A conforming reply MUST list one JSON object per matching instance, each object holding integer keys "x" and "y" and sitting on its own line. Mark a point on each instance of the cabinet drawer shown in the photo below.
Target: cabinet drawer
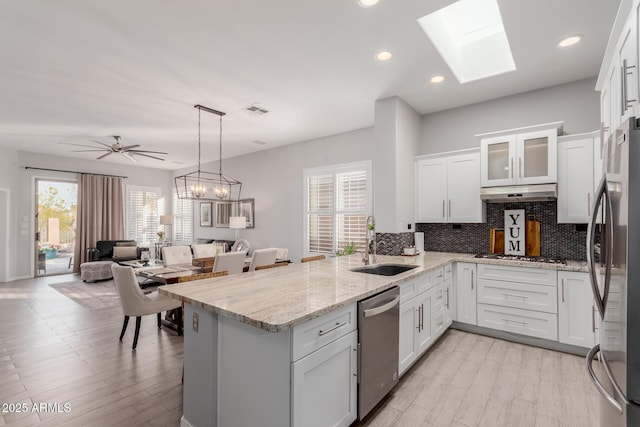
{"x": 438, "y": 275}
{"x": 441, "y": 322}
{"x": 425, "y": 281}
{"x": 536, "y": 276}
{"x": 322, "y": 330}
{"x": 408, "y": 290}
{"x": 518, "y": 295}
{"x": 525, "y": 322}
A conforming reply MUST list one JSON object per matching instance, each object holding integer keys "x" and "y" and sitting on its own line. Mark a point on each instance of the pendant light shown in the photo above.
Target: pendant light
{"x": 206, "y": 186}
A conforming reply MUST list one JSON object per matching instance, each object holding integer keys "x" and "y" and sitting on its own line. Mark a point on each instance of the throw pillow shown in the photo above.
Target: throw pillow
{"x": 125, "y": 252}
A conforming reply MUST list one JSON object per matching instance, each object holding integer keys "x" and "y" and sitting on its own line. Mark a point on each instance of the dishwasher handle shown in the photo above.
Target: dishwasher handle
{"x": 382, "y": 308}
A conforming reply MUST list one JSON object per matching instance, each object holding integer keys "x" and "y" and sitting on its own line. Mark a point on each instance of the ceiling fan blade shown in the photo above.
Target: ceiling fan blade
{"x": 102, "y": 143}
{"x": 105, "y": 155}
{"x": 86, "y": 151}
{"x": 128, "y": 156}
{"x": 78, "y": 145}
{"x": 146, "y": 151}
{"x": 151, "y": 157}
{"x": 129, "y": 147}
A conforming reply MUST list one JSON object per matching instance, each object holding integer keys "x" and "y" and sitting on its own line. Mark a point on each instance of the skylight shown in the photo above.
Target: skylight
{"x": 470, "y": 37}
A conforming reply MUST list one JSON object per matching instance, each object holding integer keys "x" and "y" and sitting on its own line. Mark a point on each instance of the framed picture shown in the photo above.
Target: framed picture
{"x": 223, "y": 212}
{"x": 246, "y": 209}
{"x": 205, "y": 214}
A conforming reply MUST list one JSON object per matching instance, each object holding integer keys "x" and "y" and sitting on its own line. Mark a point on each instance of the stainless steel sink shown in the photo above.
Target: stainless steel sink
{"x": 384, "y": 269}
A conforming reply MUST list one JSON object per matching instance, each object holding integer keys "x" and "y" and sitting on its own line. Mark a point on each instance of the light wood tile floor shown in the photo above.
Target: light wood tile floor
{"x": 472, "y": 380}
{"x": 53, "y": 350}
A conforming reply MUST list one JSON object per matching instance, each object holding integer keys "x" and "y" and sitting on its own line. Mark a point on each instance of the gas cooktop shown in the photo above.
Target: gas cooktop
{"x": 523, "y": 258}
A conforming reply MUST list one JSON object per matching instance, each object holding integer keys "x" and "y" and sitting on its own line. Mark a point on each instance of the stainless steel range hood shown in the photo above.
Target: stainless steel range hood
{"x": 519, "y": 193}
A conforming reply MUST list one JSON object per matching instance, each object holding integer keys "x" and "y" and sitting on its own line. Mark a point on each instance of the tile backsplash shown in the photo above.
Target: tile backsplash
{"x": 393, "y": 243}
{"x": 556, "y": 240}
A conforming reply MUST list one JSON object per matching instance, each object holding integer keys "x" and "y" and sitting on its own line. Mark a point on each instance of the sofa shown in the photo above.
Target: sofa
{"x": 114, "y": 250}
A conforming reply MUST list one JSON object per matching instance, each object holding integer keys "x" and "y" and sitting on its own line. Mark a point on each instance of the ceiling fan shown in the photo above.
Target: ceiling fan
{"x": 127, "y": 151}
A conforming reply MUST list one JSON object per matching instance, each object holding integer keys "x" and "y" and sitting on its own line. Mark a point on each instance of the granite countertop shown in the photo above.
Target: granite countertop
{"x": 278, "y": 299}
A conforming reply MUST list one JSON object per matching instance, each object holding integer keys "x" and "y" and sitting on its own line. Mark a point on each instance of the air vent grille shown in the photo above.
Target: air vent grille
{"x": 256, "y": 109}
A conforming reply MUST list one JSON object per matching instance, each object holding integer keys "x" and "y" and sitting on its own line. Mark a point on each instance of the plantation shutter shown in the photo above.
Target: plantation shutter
{"x": 320, "y": 213}
{"x": 351, "y": 211}
{"x": 182, "y": 219}
{"x": 337, "y": 204}
{"x": 143, "y": 220}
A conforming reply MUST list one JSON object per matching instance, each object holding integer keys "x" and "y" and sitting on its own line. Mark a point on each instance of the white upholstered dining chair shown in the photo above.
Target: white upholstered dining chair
{"x": 172, "y": 255}
{"x": 135, "y": 303}
{"x": 204, "y": 251}
{"x": 263, "y": 257}
{"x": 233, "y": 262}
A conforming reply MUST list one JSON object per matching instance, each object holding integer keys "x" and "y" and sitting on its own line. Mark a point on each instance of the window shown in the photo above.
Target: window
{"x": 337, "y": 202}
{"x": 144, "y": 205}
{"x": 182, "y": 219}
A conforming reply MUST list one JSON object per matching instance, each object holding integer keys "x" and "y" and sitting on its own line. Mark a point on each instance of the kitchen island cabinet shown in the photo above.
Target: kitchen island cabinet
{"x": 272, "y": 347}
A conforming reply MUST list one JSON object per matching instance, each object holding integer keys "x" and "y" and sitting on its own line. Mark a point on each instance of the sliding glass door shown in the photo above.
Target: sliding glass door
{"x": 56, "y": 203}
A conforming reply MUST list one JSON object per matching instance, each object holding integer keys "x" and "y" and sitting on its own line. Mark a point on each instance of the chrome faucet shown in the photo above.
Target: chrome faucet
{"x": 369, "y": 256}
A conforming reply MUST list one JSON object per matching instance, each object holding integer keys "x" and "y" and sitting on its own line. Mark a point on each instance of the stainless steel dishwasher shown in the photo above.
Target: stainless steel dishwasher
{"x": 378, "y": 328}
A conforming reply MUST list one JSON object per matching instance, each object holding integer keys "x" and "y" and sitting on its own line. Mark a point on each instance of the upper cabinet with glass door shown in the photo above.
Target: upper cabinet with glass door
{"x": 520, "y": 156}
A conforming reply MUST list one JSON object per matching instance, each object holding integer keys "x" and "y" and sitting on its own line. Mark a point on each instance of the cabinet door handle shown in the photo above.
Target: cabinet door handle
{"x": 626, "y": 103}
{"x": 511, "y": 169}
{"x": 321, "y": 332}
{"x": 422, "y": 318}
{"x": 442, "y": 208}
{"x": 520, "y": 166}
{"x": 562, "y": 290}
{"x": 449, "y": 208}
{"x": 593, "y": 319}
{"x": 515, "y": 296}
{"x": 471, "y": 279}
{"x": 419, "y": 310}
{"x": 588, "y": 203}
{"x": 515, "y": 321}
{"x": 447, "y": 297}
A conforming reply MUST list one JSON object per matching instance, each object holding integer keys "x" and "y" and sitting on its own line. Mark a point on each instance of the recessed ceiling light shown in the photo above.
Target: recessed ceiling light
{"x": 437, "y": 79}
{"x": 367, "y": 3}
{"x": 383, "y": 56}
{"x": 570, "y": 41}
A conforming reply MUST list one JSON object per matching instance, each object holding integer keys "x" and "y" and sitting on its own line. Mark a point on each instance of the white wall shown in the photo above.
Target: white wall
{"x": 274, "y": 179}
{"x": 8, "y": 181}
{"x": 21, "y": 261}
{"x": 396, "y": 136}
{"x": 576, "y": 103}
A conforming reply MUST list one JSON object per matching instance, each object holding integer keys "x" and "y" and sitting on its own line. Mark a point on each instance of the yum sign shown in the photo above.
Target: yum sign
{"x": 514, "y": 243}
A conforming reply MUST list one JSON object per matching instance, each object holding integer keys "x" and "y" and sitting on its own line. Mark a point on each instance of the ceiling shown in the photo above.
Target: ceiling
{"x": 75, "y": 71}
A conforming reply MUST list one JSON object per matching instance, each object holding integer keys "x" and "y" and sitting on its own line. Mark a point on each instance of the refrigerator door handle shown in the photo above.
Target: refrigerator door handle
{"x": 610, "y": 399}
{"x": 591, "y": 232}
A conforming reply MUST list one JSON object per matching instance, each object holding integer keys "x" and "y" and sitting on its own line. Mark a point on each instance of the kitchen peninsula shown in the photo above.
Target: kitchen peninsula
{"x": 255, "y": 342}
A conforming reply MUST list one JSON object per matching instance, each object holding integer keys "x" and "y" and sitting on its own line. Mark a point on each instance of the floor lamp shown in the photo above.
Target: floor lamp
{"x": 237, "y": 222}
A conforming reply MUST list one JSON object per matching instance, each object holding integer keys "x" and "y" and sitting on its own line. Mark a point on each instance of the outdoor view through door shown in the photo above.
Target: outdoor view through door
{"x": 56, "y": 203}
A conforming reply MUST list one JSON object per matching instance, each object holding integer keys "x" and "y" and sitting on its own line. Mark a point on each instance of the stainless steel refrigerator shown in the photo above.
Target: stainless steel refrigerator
{"x": 614, "y": 267}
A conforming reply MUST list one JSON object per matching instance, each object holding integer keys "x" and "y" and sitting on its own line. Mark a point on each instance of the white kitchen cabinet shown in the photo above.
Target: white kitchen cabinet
{"x": 575, "y": 177}
{"x": 441, "y": 311}
{"x": 447, "y": 188}
{"x": 519, "y": 156}
{"x": 618, "y": 77}
{"x": 324, "y": 385}
{"x": 423, "y": 315}
{"x": 466, "y": 291}
{"x": 627, "y": 57}
{"x": 518, "y": 299}
{"x": 576, "y": 318}
{"x": 431, "y": 190}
